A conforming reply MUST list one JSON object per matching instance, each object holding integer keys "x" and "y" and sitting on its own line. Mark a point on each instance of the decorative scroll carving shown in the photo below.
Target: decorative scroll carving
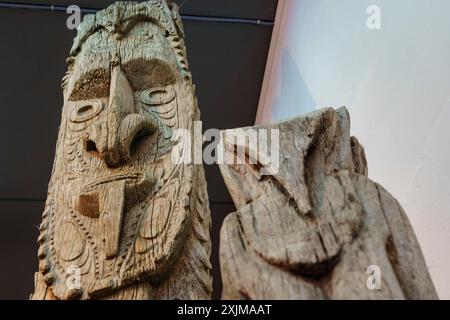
{"x": 313, "y": 229}
{"x": 129, "y": 221}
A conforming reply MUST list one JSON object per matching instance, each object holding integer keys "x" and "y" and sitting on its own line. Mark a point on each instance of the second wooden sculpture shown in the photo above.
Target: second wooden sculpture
{"x": 318, "y": 226}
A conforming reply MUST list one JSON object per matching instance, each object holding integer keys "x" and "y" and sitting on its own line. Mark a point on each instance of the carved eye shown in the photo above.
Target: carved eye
{"x": 158, "y": 96}
{"x": 86, "y": 110}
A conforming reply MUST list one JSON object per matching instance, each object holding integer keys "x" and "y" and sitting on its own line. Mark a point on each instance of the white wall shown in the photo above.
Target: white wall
{"x": 396, "y": 83}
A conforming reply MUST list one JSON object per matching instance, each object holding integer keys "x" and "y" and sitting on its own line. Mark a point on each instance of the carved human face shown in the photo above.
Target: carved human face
{"x": 118, "y": 203}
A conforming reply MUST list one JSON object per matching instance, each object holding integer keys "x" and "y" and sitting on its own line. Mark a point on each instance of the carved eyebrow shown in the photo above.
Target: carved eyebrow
{"x": 144, "y": 74}
{"x": 141, "y": 73}
{"x": 93, "y": 84}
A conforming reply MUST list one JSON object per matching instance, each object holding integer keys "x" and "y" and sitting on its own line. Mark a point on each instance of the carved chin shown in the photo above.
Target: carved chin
{"x": 122, "y": 231}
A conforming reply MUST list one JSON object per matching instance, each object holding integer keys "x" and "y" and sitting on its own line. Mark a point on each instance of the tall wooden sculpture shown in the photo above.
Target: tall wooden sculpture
{"x": 318, "y": 227}
{"x": 122, "y": 220}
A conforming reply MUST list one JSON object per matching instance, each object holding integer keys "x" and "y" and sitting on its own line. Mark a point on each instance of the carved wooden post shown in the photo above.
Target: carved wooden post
{"x": 122, "y": 220}
{"x": 317, "y": 228}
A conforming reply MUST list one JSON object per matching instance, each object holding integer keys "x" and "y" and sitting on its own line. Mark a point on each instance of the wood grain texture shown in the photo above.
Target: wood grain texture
{"x": 311, "y": 230}
{"x": 121, "y": 217}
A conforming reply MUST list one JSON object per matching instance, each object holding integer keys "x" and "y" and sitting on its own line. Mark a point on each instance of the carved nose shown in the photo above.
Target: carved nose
{"x": 123, "y": 129}
{"x": 133, "y": 129}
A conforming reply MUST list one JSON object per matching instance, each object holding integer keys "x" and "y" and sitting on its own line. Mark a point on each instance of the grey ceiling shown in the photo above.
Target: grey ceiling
{"x": 250, "y": 9}
{"x": 227, "y": 62}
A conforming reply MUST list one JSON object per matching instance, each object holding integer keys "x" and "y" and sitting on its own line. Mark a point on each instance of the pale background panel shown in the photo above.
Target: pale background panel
{"x": 396, "y": 84}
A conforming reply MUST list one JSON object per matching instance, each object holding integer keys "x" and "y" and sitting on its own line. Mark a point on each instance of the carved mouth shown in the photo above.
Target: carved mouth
{"x": 107, "y": 199}
{"x": 131, "y": 179}
{"x": 93, "y": 197}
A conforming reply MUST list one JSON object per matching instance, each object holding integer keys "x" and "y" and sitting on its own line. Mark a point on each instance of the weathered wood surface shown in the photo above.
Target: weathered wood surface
{"x": 121, "y": 216}
{"x": 312, "y": 230}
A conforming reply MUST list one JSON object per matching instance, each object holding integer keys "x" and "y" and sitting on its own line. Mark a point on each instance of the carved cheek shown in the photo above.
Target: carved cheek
{"x": 70, "y": 242}
{"x": 157, "y": 218}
